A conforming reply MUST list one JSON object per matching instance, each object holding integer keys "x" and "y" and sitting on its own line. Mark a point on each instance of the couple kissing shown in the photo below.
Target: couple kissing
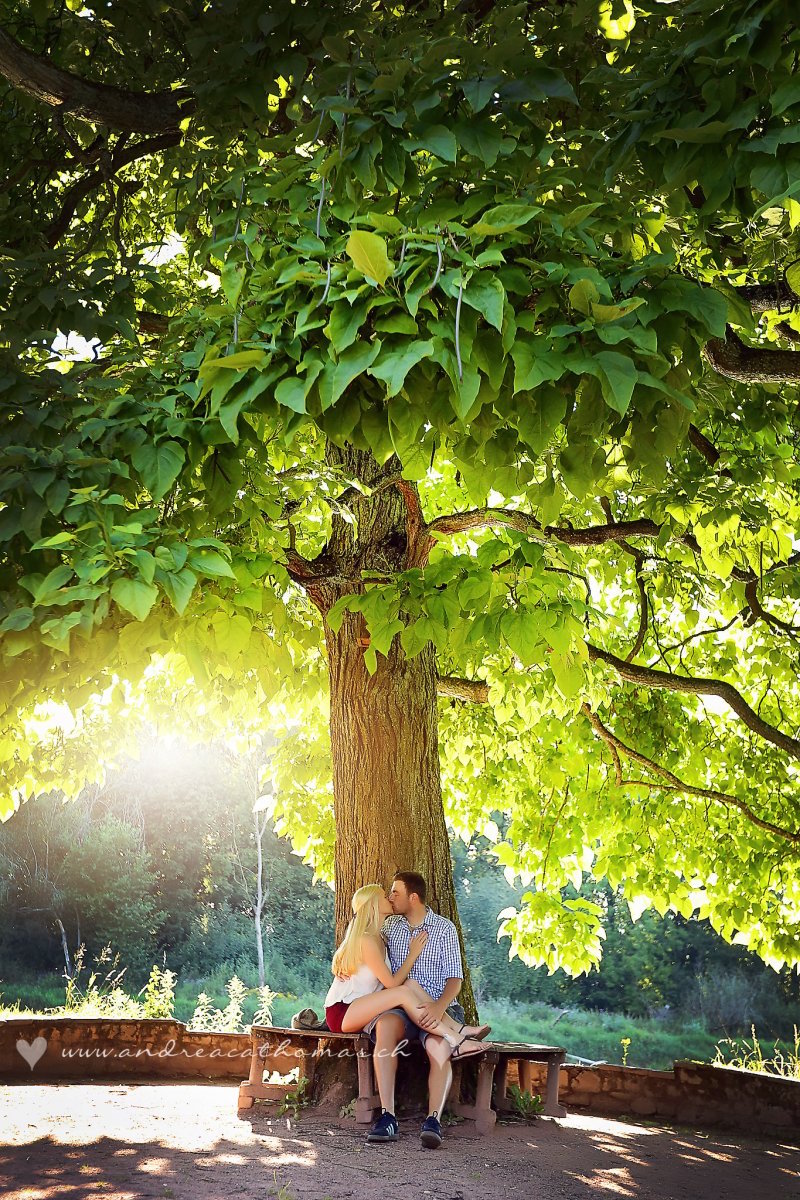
{"x": 397, "y": 974}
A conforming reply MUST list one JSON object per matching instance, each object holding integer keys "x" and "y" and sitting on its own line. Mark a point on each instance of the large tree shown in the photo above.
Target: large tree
{"x": 439, "y": 348}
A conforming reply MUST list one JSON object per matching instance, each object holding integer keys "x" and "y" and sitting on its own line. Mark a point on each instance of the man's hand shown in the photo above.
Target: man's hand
{"x": 430, "y": 1014}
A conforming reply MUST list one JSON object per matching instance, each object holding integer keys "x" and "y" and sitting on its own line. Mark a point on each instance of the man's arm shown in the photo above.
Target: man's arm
{"x": 432, "y": 1012}
{"x": 451, "y": 966}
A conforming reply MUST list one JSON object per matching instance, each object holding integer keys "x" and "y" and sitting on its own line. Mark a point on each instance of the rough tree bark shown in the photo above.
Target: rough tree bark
{"x": 384, "y": 727}
{"x": 100, "y": 103}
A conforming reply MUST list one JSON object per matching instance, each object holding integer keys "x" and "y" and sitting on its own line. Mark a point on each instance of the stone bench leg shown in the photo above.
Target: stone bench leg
{"x": 552, "y": 1108}
{"x": 368, "y": 1099}
{"x": 485, "y": 1116}
{"x": 481, "y": 1112}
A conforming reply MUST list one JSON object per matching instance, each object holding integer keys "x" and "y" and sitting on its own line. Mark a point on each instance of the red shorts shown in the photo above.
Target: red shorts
{"x": 334, "y": 1015}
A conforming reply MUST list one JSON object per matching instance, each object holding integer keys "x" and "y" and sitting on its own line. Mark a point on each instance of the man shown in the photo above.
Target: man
{"x": 439, "y": 971}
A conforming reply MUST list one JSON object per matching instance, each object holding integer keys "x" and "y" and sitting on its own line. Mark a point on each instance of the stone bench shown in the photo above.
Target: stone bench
{"x": 283, "y": 1051}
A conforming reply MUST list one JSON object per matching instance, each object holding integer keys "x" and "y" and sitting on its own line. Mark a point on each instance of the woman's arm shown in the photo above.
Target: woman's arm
{"x": 374, "y": 952}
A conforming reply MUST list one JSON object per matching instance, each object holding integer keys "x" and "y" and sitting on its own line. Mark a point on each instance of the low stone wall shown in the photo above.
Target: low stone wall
{"x": 34, "y": 1048}
{"x": 690, "y": 1094}
{"x": 84, "y": 1047}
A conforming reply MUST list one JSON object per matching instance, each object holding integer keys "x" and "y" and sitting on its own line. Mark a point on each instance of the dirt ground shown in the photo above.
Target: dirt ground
{"x": 126, "y": 1141}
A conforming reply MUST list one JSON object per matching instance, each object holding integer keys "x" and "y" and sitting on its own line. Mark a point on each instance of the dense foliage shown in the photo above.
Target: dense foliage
{"x": 518, "y": 254}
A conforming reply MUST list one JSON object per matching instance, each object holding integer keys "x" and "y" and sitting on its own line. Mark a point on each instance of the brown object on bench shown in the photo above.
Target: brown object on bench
{"x": 283, "y": 1050}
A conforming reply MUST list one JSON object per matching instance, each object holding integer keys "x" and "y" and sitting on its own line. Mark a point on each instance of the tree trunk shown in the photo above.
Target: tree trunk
{"x": 384, "y": 727}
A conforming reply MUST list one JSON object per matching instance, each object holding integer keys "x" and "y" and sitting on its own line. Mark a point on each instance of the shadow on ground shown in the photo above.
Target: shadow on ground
{"x": 125, "y": 1142}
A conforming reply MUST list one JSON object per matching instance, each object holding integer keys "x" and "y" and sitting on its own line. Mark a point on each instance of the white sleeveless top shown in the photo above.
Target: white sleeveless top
{"x": 363, "y": 983}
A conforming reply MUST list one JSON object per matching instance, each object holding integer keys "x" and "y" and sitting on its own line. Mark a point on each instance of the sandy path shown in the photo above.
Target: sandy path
{"x": 126, "y": 1141}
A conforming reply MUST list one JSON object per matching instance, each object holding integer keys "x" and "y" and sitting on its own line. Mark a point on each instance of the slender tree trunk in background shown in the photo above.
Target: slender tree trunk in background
{"x": 384, "y": 727}
{"x": 64, "y": 947}
{"x": 259, "y": 904}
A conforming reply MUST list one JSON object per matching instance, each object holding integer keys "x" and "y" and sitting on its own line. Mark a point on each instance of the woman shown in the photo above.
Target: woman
{"x": 365, "y": 985}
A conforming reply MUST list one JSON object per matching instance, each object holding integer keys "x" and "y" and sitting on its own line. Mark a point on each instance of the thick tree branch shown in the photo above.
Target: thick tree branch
{"x": 729, "y": 356}
{"x": 698, "y": 686}
{"x": 594, "y": 535}
{"x": 300, "y": 569}
{"x": 474, "y": 690}
{"x": 700, "y": 442}
{"x": 100, "y": 103}
{"x": 617, "y": 747}
{"x": 768, "y": 297}
{"x": 121, "y": 156}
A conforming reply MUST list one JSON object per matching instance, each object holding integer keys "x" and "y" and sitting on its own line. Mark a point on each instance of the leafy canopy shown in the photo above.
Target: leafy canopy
{"x": 505, "y": 254}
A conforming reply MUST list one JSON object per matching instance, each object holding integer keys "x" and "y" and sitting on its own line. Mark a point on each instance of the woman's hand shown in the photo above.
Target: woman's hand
{"x": 417, "y": 944}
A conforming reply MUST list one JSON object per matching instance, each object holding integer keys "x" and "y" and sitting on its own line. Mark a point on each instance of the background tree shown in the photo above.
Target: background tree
{"x": 467, "y": 375}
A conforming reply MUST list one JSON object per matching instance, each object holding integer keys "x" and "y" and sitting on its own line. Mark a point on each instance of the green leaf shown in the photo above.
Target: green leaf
{"x": 396, "y": 361}
{"x": 552, "y": 82}
{"x": 158, "y": 466}
{"x": 707, "y": 305}
{"x": 612, "y": 312}
{"x": 240, "y": 361}
{"x": 345, "y": 322}
{"x": 57, "y": 539}
{"x": 568, "y": 672}
{"x": 438, "y": 140}
{"x": 617, "y": 379}
{"x": 534, "y": 363}
{"x": 209, "y": 562}
{"x": 231, "y": 279}
{"x": 504, "y": 218}
{"x": 538, "y": 422}
{"x": 486, "y": 293}
{"x": 20, "y": 618}
{"x": 43, "y": 590}
{"x": 135, "y": 596}
{"x": 520, "y": 628}
{"x": 415, "y": 638}
{"x": 576, "y": 464}
{"x": 291, "y": 393}
{"x": 232, "y": 633}
{"x": 383, "y": 221}
{"x": 583, "y": 294}
{"x": 338, "y": 375}
{"x": 397, "y": 323}
{"x": 713, "y": 131}
{"x": 482, "y": 139}
{"x": 793, "y": 277}
{"x": 179, "y": 586}
{"x": 369, "y": 255}
{"x": 478, "y": 92}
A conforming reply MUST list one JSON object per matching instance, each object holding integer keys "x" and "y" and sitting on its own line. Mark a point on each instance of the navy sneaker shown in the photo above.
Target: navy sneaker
{"x": 384, "y": 1129}
{"x": 431, "y": 1132}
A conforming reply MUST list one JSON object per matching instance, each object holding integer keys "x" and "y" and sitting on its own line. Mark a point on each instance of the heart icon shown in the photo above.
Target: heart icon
{"x": 32, "y": 1051}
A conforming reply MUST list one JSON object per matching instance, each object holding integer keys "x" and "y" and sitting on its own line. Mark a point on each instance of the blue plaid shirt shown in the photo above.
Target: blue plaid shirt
{"x": 440, "y": 959}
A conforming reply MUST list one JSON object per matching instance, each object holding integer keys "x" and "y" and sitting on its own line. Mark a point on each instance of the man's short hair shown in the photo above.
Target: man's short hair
{"x": 414, "y": 883}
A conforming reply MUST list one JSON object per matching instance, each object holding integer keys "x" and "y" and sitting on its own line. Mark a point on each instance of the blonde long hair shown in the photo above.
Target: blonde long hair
{"x": 366, "y": 920}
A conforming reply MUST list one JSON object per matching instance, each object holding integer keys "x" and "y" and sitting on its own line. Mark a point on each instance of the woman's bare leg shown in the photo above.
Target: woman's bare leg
{"x": 362, "y": 1010}
{"x": 408, "y": 996}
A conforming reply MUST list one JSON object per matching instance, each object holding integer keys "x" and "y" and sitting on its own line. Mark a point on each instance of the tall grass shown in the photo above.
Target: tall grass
{"x": 750, "y": 1055}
